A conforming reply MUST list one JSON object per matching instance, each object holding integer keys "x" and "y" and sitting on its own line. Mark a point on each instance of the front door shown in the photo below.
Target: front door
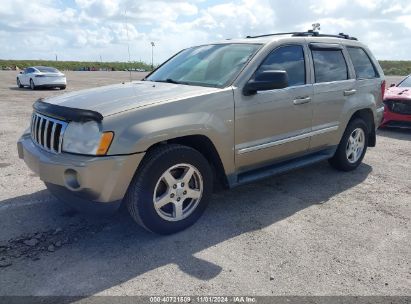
{"x": 23, "y": 77}
{"x": 275, "y": 124}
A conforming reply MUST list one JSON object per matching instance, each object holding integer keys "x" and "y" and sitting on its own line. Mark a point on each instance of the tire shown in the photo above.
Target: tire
{"x": 150, "y": 184}
{"x": 62, "y": 87}
{"x": 32, "y": 86}
{"x": 352, "y": 147}
{"x": 19, "y": 83}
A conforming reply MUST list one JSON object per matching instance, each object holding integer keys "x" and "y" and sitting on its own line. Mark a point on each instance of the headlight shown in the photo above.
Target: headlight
{"x": 86, "y": 138}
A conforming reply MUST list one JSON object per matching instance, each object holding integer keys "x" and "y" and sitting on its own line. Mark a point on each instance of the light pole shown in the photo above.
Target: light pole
{"x": 152, "y": 55}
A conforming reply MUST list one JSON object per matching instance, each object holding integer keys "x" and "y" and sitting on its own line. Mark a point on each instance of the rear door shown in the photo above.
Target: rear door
{"x": 29, "y": 75}
{"x": 334, "y": 84}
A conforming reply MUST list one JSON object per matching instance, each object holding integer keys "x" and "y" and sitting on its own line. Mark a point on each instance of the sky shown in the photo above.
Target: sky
{"x": 87, "y": 29}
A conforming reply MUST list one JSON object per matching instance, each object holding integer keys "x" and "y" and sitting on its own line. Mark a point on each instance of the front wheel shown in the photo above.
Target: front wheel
{"x": 170, "y": 190}
{"x": 19, "y": 83}
{"x": 352, "y": 147}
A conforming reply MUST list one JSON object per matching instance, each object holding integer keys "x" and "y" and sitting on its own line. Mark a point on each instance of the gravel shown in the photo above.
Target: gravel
{"x": 313, "y": 231}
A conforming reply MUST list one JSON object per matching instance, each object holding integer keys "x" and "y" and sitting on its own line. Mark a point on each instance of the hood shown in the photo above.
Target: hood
{"x": 398, "y": 93}
{"x": 117, "y": 98}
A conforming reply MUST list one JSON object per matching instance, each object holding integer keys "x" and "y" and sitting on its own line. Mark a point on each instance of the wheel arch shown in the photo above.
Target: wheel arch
{"x": 367, "y": 116}
{"x": 206, "y": 147}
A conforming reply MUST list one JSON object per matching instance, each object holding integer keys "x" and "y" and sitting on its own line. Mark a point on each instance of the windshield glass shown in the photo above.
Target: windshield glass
{"x": 406, "y": 82}
{"x": 214, "y": 65}
{"x": 47, "y": 70}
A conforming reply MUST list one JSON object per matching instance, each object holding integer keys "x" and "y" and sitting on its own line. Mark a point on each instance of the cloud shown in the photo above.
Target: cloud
{"x": 86, "y": 29}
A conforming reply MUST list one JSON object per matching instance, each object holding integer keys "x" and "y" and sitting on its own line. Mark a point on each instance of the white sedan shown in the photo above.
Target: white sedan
{"x": 41, "y": 77}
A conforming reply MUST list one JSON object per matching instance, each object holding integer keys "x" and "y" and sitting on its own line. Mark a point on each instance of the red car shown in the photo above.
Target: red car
{"x": 397, "y": 100}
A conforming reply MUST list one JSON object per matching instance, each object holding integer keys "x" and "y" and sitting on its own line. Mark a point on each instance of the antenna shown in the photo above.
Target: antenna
{"x": 128, "y": 40}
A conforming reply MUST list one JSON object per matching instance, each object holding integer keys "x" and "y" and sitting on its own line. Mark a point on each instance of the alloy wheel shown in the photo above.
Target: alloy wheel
{"x": 355, "y": 145}
{"x": 178, "y": 192}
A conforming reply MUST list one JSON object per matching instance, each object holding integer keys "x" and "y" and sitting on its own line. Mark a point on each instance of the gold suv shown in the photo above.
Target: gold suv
{"x": 225, "y": 113}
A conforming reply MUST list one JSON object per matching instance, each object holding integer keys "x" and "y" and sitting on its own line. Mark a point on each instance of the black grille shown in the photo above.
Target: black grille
{"x": 47, "y": 132}
{"x": 399, "y": 106}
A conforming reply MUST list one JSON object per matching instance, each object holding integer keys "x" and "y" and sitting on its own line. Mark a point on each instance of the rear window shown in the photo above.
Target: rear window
{"x": 47, "y": 70}
{"x": 329, "y": 65}
{"x": 364, "y": 69}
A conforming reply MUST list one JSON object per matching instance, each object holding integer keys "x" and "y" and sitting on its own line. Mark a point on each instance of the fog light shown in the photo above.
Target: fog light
{"x": 71, "y": 179}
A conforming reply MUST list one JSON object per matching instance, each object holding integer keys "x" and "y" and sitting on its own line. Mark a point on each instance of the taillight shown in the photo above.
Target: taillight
{"x": 382, "y": 89}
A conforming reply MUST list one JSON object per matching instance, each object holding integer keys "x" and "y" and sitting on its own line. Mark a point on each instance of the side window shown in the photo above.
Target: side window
{"x": 362, "y": 64}
{"x": 290, "y": 59}
{"x": 329, "y": 65}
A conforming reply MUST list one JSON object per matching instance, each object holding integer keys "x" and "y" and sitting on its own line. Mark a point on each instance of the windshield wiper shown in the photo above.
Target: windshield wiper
{"x": 169, "y": 80}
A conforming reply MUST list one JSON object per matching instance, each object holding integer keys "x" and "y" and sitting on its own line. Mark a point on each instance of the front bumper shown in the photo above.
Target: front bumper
{"x": 97, "y": 179}
{"x": 392, "y": 119}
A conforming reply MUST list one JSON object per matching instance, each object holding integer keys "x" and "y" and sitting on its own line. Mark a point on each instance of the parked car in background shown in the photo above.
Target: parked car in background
{"x": 397, "y": 101}
{"x": 41, "y": 77}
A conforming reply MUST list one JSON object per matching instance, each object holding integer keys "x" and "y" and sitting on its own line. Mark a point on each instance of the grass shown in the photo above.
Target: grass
{"x": 398, "y": 68}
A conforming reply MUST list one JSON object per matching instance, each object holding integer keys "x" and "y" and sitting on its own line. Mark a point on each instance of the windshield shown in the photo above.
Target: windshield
{"x": 214, "y": 65}
{"x": 47, "y": 70}
{"x": 406, "y": 82}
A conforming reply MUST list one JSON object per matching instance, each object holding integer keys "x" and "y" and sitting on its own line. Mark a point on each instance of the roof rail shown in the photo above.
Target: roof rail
{"x": 308, "y": 33}
{"x": 275, "y": 34}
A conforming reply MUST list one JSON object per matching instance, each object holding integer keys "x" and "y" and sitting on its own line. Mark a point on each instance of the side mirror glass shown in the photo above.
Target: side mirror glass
{"x": 266, "y": 80}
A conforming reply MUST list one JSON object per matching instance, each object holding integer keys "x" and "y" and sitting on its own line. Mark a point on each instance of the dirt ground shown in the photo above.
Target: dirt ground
{"x": 314, "y": 231}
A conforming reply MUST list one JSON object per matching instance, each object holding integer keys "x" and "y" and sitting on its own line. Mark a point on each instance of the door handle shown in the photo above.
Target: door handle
{"x": 350, "y": 92}
{"x": 302, "y": 100}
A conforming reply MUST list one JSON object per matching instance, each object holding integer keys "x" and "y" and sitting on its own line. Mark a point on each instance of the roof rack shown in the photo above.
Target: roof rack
{"x": 276, "y": 34}
{"x": 308, "y": 33}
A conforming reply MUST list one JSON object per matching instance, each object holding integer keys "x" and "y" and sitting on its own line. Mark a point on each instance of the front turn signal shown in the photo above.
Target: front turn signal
{"x": 105, "y": 142}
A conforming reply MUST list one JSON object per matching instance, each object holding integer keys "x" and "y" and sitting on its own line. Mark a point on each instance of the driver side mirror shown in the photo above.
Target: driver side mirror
{"x": 392, "y": 85}
{"x": 266, "y": 80}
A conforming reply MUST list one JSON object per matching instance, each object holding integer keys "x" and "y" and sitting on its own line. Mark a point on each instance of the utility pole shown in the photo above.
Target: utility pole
{"x": 152, "y": 55}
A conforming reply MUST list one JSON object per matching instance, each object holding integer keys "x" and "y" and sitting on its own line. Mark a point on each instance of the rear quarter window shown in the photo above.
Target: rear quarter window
{"x": 364, "y": 69}
{"x": 329, "y": 65}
